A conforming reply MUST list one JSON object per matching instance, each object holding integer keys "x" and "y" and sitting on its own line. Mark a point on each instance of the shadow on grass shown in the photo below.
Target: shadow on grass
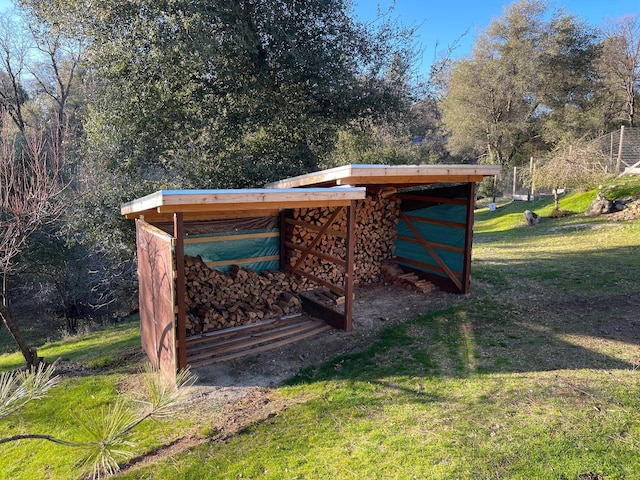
{"x": 560, "y": 311}
{"x": 471, "y": 340}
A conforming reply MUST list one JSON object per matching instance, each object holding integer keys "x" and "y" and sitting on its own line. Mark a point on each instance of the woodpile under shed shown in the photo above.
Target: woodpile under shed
{"x": 325, "y": 238}
{"x": 375, "y": 231}
{"x": 217, "y": 300}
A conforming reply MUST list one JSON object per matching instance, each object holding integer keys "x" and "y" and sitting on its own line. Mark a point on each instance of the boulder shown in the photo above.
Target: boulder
{"x": 531, "y": 218}
{"x": 599, "y": 206}
{"x": 602, "y": 206}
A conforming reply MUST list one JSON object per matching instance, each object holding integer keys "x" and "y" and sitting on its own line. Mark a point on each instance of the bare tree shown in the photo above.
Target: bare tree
{"x": 580, "y": 164}
{"x": 14, "y": 48}
{"x": 620, "y": 64}
{"x": 55, "y": 73}
{"x": 30, "y": 190}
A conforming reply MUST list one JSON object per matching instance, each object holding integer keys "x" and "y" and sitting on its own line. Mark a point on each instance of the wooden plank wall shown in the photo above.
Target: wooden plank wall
{"x": 157, "y": 297}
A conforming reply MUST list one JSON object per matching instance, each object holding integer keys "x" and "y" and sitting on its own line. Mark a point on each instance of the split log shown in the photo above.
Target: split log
{"x": 392, "y": 273}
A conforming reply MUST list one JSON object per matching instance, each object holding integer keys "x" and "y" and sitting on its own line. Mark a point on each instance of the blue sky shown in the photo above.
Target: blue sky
{"x": 442, "y": 22}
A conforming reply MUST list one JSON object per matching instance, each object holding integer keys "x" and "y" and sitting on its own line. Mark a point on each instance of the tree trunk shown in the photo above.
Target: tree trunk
{"x": 30, "y": 355}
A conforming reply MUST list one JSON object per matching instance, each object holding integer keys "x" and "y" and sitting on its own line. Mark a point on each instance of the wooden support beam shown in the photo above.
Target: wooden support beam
{"x": 283, "y": 238}
{"x": 315, "y": 241}
{"x": 178, "y": 234}
{"x": 239, "y": 261}
{"x": 409, "y": 179}
{"x": 319, "y": 281}
{"x": 349, "y": 274}
{"x": 315, "y": 228}
{"x": 433, "y": 221}
{"x": 425, "y": 266}
{"x": 427, "y": 198}
{"x": 441, "y": 246}
{"x": 324, "y": 256}
{"x": 224, "y": 238}
{"x": 152, "y": 216}
{"x": 468, "y": 242}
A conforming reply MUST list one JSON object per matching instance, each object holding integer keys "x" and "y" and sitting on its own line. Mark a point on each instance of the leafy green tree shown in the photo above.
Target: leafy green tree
{"x": 567, "y": 82}
{"x": 223, "y": 94}
{"x": 524, "y": 70}
{"x": 413, "y": 138}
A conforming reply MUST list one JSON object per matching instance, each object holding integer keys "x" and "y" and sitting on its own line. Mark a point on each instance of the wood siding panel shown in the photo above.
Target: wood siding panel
{"x": 157, "y": 318}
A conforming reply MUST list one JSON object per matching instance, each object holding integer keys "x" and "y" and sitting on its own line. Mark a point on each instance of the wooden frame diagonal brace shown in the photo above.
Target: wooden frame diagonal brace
{"x": 427, "y": 245}
{"x": 181, "y": 285}
{"x": 314, "y": 242}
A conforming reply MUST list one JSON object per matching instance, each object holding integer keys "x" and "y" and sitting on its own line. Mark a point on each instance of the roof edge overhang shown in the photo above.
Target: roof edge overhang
{"x": 390, "y": 175}
{"x": 235, "y": 203}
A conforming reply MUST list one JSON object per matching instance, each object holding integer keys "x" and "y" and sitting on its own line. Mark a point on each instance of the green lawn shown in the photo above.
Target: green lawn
{"x": 536, "y": 376}
{"x": 108, "y": 364}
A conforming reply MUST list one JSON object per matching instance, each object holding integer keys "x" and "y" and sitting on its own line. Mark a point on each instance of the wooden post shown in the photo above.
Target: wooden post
{"x": 532, "y": 172}
{"x": 495, "y": 187}
{"x": 178, "y": 233}
{"x": 619, "y": 162}
{"x": 611, "y": 150}
{"x": 515, "y": 179}
{"x": 468, "y": 241}
{"x": 350, "y": 267}
{"x": 283, "y": 239}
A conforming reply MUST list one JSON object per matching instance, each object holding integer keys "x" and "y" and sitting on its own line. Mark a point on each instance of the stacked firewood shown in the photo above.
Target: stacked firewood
{"x": 393, "y": 274}
{"x": 375, "y": 232}
{"x": 302, "y": 232}
{"x": 216, "y": 300}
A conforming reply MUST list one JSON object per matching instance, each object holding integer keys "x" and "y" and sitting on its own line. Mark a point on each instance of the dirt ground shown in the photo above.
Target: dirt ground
{"x": 375, "y": 308}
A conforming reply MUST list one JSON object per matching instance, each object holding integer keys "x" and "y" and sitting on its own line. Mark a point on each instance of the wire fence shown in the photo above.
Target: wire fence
{"x": 620, "y": 150}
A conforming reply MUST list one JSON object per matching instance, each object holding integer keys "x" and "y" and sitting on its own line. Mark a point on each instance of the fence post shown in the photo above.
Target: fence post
{"x": 515, "y": 176}
{"x": 620, "y": 149}
{"x": 611, "y": 150}
{"x": 531, "y": 172}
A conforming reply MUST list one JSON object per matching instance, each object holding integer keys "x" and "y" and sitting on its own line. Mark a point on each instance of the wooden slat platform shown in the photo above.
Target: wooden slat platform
{"x": 237, "y": 342}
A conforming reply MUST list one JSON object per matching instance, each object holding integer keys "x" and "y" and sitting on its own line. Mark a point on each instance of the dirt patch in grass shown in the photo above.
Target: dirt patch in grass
{"x": 375, "y": 308}
{"x": 223, "y": 417}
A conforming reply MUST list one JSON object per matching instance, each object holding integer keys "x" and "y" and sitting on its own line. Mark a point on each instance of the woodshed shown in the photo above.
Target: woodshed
{"x": 223, "y": 273}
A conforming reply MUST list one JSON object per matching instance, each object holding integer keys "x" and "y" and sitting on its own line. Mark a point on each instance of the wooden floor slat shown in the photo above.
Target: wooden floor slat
{"x": 243, "y": 329}
{"x": 248, "y": 341}
{"x": 245, "y": 342}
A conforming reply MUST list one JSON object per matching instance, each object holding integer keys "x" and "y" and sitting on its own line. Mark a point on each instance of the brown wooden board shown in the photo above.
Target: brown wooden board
{"x": 390, "y": 175}
{"x": 180, "y": 289}
{"x": 155, "y": 277}
{"x": 241, "y": 203}
{"x": 240, "y": 342}
{"x": 315, "y": 303}
{"x": 466, "y": 273}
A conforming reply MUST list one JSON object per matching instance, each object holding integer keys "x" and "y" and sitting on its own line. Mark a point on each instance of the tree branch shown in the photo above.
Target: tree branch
{"x": 48, "y": 438}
